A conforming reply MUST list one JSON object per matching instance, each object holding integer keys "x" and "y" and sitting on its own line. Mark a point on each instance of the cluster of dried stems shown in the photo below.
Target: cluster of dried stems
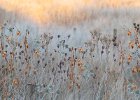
{"x": 29, "y": 72}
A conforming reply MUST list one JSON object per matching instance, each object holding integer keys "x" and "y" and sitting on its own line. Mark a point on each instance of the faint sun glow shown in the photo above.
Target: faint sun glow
{"x": 41, "y": 10}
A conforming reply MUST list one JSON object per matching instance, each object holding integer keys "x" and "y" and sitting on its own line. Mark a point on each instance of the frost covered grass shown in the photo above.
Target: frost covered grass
{"x": 96, "y": 59}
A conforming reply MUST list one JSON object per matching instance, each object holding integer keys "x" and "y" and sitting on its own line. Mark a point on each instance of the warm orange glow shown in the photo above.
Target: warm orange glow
{"x": 44, "y": 10}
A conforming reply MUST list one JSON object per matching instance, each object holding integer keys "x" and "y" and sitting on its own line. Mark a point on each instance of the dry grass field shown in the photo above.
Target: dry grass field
{"x": 69, "y": 50}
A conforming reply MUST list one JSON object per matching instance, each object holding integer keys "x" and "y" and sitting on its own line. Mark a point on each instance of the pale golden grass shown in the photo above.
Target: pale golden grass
{"x": 45, "y": 11}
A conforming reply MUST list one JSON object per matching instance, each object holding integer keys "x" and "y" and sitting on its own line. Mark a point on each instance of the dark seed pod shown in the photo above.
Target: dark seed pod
{"x": 45, "y": 64}
{"x": 115, "y": 44}
{"x": 2, "y": 66}
{"x": 53, "y": 59}
{"x": 6, "y": 46}
{"x": 137, "y": 29}
{"x": 19, "y": 44}
{"x": 19, "y": 53}
{"x": 38, "y": 61}
{"x": 58, "y": 36}
{"x": 70, "y": 49}
{"x": 68, "y": 36}
{"x": 22, "y": 51}
{"x": 113, "y": 40}
{"x": 134, "y": 24}
{"x": 103, "y": 47}
{"x": 51, "y": 54}
{"x": 43, "y": 59}
{"x": 53, "y": 69}
{"x": 58, "y": 46}
{"x": 42, "y": 46}
{"x": 22, "y": 63}
{"x": 51, "y": 37}
{"x": 102, "y": 52}
{"x": 66, "y": 46}
{"x": 65, "y": 54}
{"x": 19, "y": 57}
{"x": 55, "y": 50}
{"x": 26, "y": 59}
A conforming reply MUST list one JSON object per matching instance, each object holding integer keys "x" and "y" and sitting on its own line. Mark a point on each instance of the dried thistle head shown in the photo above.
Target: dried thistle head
{"x": 136, "y": 69}
{"x": 139, "y": 45}
{"x": 20, "y": 45}
{"x": 16, "y": 82}
{"x": 129, "y": 33}
{"x": 8, "y": 39}
{"x": 10, "y": 68}
{"x": 69, "y": 87}
{"x": 18, "y": 33}
{"x": 34, "y": 72}
{"x": 25, "y": 72}
{"x": 134, "y": 87}
{"x": 129, "y": 58}
{"x": 4, "y": 54}
{"x": 72, "y": 64}
{"x": 78, "y": 86}
{"x": 37, "y": 52}
{"x": 81, "y": 50}
{"x": 131, "y": 44}
{"x": 12, "y": 54}
{"x": 27, "y": 46}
